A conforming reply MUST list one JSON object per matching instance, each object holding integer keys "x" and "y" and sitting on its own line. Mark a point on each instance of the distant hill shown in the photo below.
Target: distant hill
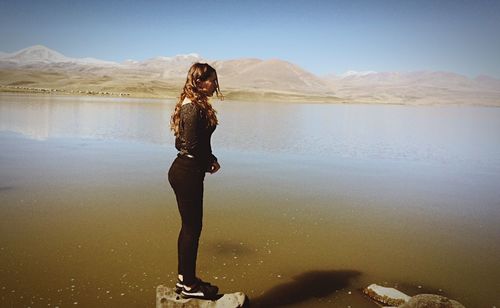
{"x": 271, "y": 74}
{"x": 420, "y": 87}
{"x": 40, "y": 55}
{"x": 168, "y": 67}
{"x": 38, "y": 67}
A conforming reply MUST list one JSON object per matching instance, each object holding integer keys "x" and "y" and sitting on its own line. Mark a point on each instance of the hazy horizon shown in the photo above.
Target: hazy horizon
{"x": 322, "y": 37}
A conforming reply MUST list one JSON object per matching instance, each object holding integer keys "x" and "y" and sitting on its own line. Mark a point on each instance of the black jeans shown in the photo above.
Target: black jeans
{"x": 186, "y": 178}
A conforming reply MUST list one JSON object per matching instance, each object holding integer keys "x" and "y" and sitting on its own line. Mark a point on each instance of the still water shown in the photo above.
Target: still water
{"x": 313, "y": 202}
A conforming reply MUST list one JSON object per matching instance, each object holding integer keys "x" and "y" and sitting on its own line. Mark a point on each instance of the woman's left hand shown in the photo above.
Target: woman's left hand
{"x": 214, "y": 167}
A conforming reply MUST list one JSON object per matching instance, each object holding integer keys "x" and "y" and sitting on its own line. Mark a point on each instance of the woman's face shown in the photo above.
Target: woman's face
{"x": 208, "y": 86}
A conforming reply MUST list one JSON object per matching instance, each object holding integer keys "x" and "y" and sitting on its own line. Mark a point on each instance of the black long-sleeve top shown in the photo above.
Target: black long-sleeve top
{"x": 194, "y": 135}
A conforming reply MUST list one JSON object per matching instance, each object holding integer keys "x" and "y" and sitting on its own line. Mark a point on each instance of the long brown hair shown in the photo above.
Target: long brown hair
{"x": 198, "y": 73}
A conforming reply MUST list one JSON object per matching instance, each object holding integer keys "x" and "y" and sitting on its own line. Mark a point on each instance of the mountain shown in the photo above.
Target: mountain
{"x": 173, "y": 67}
{"x": 271, "y": 74}
{"x": 416, "y": 87}
{"x": 250, "y": 74}
{"x": 39, "y": 67}
{"x": 356, "y": 73}
{"x": 41, "y": 55}
{"x": 37, "y": 53}
{"x": 488, "y": 82}
{"x": 429, "y": 78}
{"x": 163, "y": 67}
{"x": 446, "y": 80}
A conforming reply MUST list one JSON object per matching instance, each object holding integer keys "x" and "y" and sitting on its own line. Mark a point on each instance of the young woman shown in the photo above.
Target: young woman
{"x": 193, "y": 122}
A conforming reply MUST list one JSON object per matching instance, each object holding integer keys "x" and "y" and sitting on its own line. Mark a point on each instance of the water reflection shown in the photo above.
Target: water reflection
{"x": 65, "y": 117}
{"x": 435, "y": 134}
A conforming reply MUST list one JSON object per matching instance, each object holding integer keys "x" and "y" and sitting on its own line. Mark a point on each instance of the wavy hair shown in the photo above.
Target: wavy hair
{"x": 198, "y": 73}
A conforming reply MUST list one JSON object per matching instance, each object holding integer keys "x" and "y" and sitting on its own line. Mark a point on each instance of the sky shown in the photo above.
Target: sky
{"x": 323, "y": 37}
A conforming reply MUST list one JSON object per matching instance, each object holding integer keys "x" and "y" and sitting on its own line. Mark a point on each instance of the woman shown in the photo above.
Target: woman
{"x": 193, "y": 122}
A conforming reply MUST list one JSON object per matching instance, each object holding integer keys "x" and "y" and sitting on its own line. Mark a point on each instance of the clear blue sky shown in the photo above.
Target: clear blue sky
{"x": 320, "y": 36}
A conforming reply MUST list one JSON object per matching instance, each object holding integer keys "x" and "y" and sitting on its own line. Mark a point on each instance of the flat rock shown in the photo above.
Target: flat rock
{"x": 431, "y": 301}
{"x": 166, "y": 297}
{"x": 389, "y": 296}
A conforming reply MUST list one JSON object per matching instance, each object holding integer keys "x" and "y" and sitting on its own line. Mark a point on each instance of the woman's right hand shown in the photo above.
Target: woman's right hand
{"x": 214, "y": 167}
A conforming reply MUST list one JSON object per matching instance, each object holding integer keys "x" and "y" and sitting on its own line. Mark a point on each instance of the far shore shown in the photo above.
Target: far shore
{"x": 144, "y": 85}
{"x": 244, "y": 95}
{"x": 235, "y": 95}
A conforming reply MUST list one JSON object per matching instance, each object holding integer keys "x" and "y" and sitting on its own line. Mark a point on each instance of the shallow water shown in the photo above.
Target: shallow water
{"x": 313, "y": 202}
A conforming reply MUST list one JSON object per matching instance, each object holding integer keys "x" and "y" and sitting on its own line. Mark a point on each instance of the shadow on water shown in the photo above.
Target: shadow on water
{"x": 313, "y": 284}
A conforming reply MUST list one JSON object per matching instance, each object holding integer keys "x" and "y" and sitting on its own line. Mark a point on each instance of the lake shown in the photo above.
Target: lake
{"x": 313, "y": 202}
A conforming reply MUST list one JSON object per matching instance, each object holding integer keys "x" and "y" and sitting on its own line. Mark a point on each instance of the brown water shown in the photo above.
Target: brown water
{"x": 313, "y": 202}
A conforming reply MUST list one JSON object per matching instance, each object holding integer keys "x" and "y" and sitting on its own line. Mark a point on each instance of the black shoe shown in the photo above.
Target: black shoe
{"x": 201, "y": 290}
{"x": 179, "y": 286}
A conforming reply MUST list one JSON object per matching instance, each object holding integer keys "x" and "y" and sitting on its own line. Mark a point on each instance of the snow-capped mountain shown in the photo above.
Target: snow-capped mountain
{"x": 166, "y": 62}
{"x": 356, "y": 73}
{"x": 169, "y": 67}
{"x": 39, "y": 54}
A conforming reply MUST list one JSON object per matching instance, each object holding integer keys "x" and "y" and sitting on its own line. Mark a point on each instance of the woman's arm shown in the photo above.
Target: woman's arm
{"x": 189, "y": 122}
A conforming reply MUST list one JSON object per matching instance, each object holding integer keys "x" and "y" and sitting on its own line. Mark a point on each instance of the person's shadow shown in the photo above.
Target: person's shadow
{"x": 313, "y": 284}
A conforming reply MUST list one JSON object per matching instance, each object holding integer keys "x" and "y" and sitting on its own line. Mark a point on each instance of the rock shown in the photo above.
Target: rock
{"x": 431, "y": 301}
{"x": 389, "y": 296}
{"x": 167, "y": 298}
{"x": 393, "y": 297}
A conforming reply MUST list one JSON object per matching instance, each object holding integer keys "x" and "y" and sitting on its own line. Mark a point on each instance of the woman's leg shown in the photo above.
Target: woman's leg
{"x": 188, "y": 187}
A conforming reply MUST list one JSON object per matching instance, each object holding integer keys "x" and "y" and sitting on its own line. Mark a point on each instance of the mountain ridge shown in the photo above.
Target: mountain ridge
{"x": 251, "y": 75}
